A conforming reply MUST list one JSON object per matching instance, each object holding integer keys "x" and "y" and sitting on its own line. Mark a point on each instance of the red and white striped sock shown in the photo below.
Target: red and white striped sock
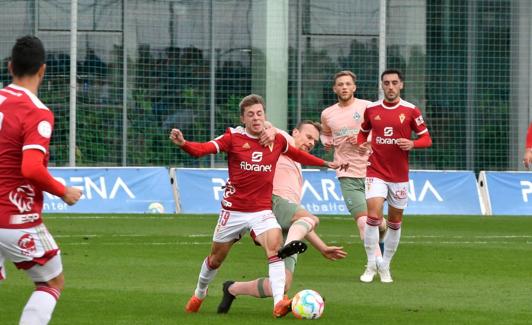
{"x": 391, "y": 242}
{"x": 207, "y": 274}
{"x": 371, "y": 238}
{"x": 40, "y": 306}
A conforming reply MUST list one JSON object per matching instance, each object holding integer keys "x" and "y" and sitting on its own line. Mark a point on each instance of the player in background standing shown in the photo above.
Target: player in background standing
{"x": 296, "y": 222}
{"x": 391, "y": 121}
{"x": 341, "y": 123}
{"x": 527, "y": 159}
{"x": 247, "y": 204}
{"x": 26, "y": 126}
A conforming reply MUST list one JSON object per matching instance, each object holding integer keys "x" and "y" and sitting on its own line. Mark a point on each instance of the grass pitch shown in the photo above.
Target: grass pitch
{"x": 141, "y": 269}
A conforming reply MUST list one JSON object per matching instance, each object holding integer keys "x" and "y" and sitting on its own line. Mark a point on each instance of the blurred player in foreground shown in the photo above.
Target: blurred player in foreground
{"x": 391, "y": 121}
{"x": 296, "y": 222}
{"x": 26, "y": 126}
{"x": 246, "y": 205}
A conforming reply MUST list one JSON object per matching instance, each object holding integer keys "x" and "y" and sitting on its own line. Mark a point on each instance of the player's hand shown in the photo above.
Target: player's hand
{"x": 267, "y": 136}
{"x": 363, "y": 148}
{"x": 334, "y": 253}
{"x": 405, "y": 144}
{"x": 338, "y": 165}
{"x": 72, "y": 195}
{"x": 351, "y": 139}
{"x": 527, "y": 160}
{"x": 177, "y": 137}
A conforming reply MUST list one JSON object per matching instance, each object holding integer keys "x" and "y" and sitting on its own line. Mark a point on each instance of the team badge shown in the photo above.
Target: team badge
{"x": 26, "y": 243}
{"x": 270, "y": 146}
{"x": 377, "y": 118}
{"x": 419, "y": 120}
{"x": 356, "y": 116}
{"x": 402, "y": 118}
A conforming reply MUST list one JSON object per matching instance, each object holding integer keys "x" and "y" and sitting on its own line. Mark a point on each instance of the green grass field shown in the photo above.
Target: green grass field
{"x": 141, "y": 269}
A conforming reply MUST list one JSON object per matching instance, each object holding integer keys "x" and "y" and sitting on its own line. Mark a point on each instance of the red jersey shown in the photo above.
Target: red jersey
{"x": 25, "y": 123}
{"x": 389, "y": 123}
{"x": 251, "y": 167}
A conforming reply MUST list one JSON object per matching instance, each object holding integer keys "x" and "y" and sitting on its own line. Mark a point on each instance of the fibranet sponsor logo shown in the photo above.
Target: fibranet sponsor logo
{"x": 255, "y": 167}
{"x": 381, "y": 140}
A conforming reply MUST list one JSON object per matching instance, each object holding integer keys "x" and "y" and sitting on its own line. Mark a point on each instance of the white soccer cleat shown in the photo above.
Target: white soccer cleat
{"x": 369, "y": 273}
{"x": 384, "y": 274}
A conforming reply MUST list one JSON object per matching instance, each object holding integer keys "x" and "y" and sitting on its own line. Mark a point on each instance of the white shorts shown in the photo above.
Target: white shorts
{"x": 395, "y": 193}
{"x": 33, "y": 250}
{"x": 232, "y": 225}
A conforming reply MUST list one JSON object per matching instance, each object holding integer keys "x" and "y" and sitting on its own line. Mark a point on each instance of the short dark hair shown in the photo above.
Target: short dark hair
{"x": 27, "y": 56}
{"x": 345, "y": 73}
{"x": 317, "y": 125}
{"x": 393, "y": 71}
{"x": 251, "y": 100}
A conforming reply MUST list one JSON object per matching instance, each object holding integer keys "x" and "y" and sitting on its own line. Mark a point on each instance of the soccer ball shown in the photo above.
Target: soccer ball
{"x": 155, "y": 207}
{"x": 307, "y": 304}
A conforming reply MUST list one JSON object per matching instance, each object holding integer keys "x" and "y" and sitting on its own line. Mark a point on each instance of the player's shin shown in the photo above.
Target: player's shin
{"x": 276, "y": 272}
{"x": 299, "y": 229}
{"x": 391, "y": 241}
{"x": 371, "y": 238}
{"x": 40, "y": 306}
{"x": 207, "y": 274}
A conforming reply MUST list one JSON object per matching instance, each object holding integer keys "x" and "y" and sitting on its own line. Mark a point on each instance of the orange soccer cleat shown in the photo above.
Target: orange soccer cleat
{"x": 282, "y": 307}
{"x": 193, "y": 304}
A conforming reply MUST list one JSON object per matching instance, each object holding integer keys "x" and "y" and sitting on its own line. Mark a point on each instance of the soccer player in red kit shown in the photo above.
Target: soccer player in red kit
{"x": 26, "y": 126}
{"x": 527, "y": 159}
{"x": 247, "y": 200}
{"x": 391, "y": 121}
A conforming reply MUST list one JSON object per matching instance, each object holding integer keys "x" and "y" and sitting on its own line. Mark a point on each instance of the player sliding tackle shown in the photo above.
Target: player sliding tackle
{"x": 296, "y": 222}
{"x": 247, "y": 205}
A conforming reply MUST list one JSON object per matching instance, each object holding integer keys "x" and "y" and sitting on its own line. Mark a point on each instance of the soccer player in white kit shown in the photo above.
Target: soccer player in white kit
{"x": 26, "y": 126}
{"x": 391, "y": 121}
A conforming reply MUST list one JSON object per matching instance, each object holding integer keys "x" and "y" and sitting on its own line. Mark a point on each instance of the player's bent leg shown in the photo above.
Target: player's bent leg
{"x": 48, "y": 287}
{"x": 209, "y": 269}
{"x": 293, "y": 247}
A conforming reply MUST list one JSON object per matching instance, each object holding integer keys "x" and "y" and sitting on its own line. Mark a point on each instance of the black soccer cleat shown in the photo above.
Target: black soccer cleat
{"x": 227, "y": 299}
{"x": 293, "y": 247}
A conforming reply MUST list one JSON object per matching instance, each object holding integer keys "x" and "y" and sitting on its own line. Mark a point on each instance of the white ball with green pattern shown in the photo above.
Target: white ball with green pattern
{"x": 307, "y": 304}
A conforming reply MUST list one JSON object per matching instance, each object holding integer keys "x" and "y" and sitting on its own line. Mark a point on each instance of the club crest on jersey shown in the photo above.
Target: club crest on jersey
{"x": 377, "y": 118}
{"x": 22, "y": 198}
{"x": 419, "y": 120}
{"x": 402, "y": 118}
{"x": 246, "y": 146}
{"x": 270, "y": 146}
{"x": 356, "y": 116}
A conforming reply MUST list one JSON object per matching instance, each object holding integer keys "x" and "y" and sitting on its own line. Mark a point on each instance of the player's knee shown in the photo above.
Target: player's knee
{"x": 57, "y": 283}
{"x": 310, "y": 222}
{"x": 214, "y": 262}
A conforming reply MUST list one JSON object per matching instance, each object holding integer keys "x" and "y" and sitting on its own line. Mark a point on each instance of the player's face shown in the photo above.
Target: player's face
{"x": 253, "y": 119}
{"x": 391, "y": 86}
{"x": 306, "y": 138}
{"x": 344, "y": 87}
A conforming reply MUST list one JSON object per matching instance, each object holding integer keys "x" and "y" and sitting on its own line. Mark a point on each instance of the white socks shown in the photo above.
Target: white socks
{"x": 391, "y": 242}
{"x": 205, "y": 277}
{"x": 277, "y": 277}
{"x": 40, "y": 306}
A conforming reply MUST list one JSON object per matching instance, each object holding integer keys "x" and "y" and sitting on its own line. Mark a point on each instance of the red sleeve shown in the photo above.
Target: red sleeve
{"x": 362, "y": 137}
{"x": 198, "y": 149}
{"x": 303, "y": 157}
{"x": 423, "y": 141}
{"x": 529, "y": 137}
{"x": 33, "y": 169}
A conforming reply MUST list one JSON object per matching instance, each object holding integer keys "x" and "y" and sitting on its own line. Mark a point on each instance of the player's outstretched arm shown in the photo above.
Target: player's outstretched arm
{"x": 330, "y": 252}
{"x": 196, "y": 149}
